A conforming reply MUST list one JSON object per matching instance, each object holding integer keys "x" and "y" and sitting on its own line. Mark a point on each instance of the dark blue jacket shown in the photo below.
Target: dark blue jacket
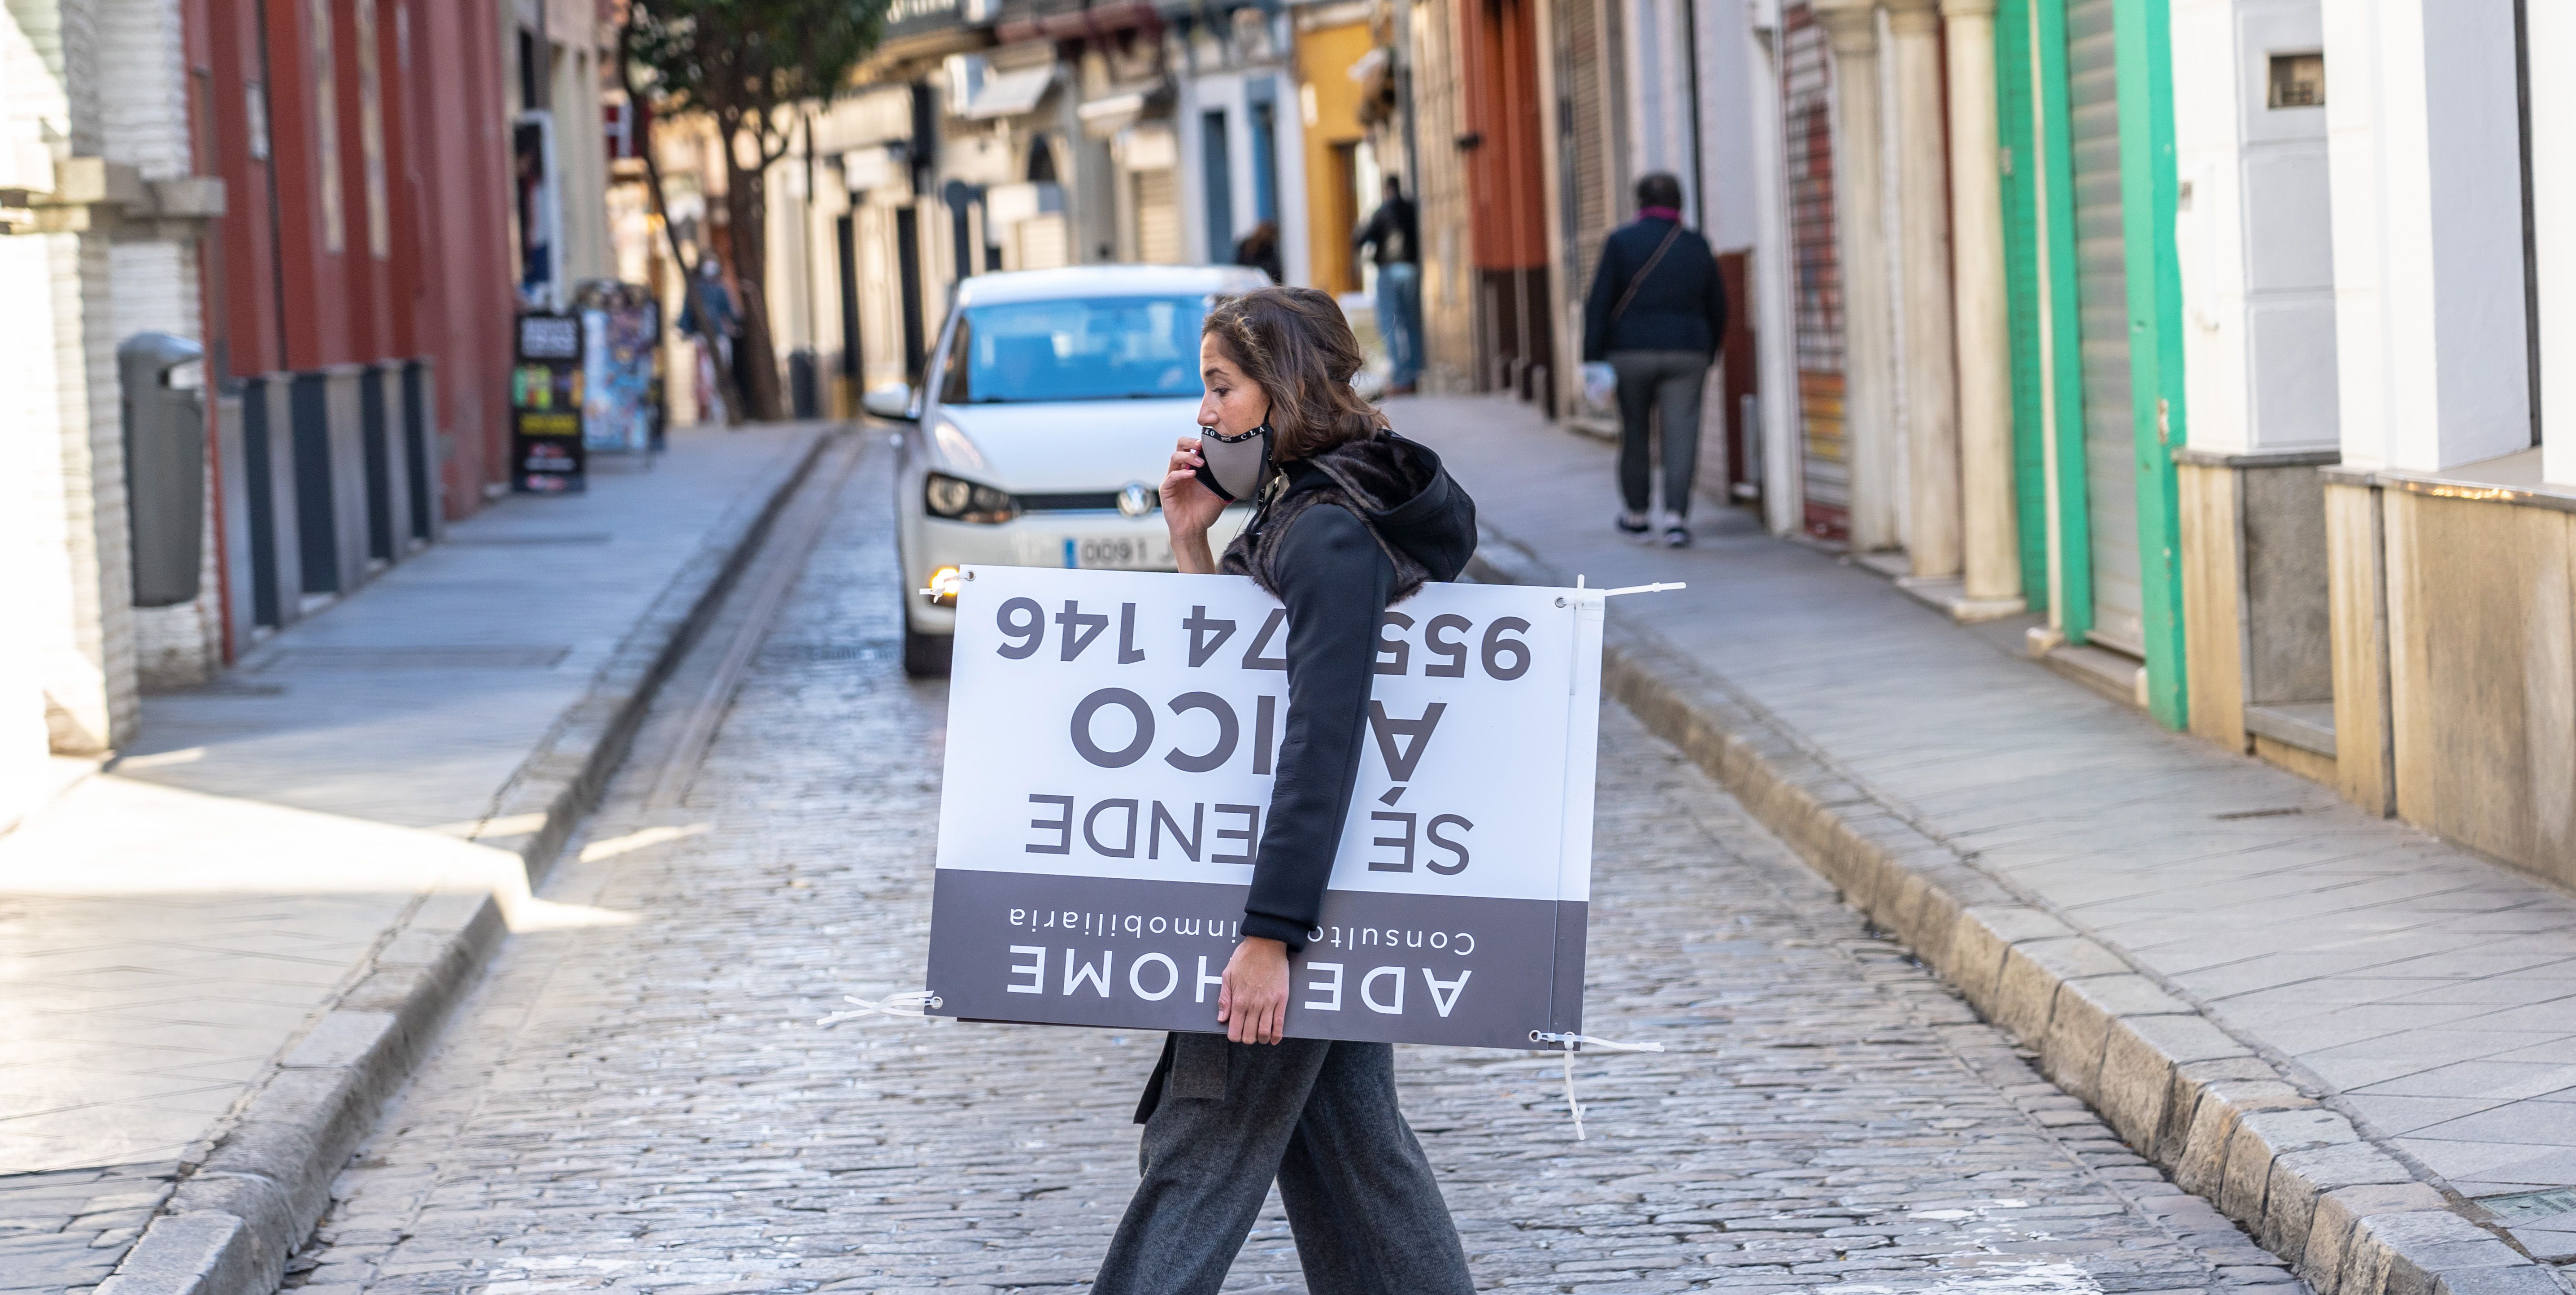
{"x": 1679, "y": 307}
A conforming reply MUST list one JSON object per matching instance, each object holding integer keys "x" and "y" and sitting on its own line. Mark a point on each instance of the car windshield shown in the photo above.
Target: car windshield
{"x": 1106, "y": 348}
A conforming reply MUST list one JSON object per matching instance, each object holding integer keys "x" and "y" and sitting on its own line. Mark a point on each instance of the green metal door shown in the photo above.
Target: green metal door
{"x": 2102, "y": 326}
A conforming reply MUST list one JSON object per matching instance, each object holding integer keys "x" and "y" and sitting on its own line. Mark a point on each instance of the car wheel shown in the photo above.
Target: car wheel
{"x": 926, "y": 655}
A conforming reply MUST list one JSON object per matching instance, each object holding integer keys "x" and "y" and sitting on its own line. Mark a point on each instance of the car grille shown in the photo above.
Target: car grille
{"x": 1096, "y": 501}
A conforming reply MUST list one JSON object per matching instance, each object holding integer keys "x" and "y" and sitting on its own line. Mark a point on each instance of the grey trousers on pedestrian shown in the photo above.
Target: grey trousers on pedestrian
{"x": 1669, "y": 383}
{"x": 1320, "y": 1117}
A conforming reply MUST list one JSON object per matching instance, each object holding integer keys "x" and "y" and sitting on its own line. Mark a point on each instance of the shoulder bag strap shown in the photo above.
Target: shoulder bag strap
{"x": 1638, "y": 280}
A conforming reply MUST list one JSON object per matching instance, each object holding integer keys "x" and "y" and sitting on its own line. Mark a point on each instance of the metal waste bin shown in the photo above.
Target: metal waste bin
{"x": 165, "y": 467}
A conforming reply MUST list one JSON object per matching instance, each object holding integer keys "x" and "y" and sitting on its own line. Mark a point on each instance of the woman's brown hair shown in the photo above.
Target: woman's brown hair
{"x": 1295, "y": 345}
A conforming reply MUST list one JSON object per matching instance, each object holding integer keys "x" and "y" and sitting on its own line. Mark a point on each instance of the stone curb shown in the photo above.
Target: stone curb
{"x": 2181, "y": 1091}
{"x": 237, "y": 1218}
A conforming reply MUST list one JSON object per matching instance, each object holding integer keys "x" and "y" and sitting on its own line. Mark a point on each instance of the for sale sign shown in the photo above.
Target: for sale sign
{"x": 1111, "y": 742}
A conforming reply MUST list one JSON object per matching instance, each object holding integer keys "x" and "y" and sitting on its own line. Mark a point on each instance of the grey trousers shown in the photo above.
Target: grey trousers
{"x": 1321, "y": 1118}
{"x": 1668, "y": 383}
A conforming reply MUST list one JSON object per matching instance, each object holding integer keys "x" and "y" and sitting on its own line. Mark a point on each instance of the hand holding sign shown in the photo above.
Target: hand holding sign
{"x": 1253, "y": 1002}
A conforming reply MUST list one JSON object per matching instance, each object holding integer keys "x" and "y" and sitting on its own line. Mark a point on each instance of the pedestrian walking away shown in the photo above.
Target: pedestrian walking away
{"x": 714, "y": 331}
{"x": 1395, "y": 240}
{"x": 1350, "y": 518}
{"x": 1655, "y": 313}
{"x": 1260, "y": 250}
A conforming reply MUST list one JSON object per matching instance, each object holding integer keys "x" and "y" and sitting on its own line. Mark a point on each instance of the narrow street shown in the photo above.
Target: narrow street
{"x": 639, "y": 1099}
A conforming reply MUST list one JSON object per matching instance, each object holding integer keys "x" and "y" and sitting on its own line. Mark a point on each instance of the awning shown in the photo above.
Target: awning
{"x": 1104, "y": 117}
{"x": 881, "y": 168}
{"x": 1150, "y": 146}
{"x": 1008, "y": 94}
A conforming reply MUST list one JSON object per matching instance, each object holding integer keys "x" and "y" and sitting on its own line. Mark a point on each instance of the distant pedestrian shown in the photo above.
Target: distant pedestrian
{"x": 1260, "y": 250}
{"x": 1397, "y": 240}
{"x": 713, "y": 328}
{"x": 1656, "y": 313}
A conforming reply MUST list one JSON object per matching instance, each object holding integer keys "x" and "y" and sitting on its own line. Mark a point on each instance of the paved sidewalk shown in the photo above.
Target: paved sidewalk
{"x": 171, "y": 925}
{"x": 2427, "y": 993}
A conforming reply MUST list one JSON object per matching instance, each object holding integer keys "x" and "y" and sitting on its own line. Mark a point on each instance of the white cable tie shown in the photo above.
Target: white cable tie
{"x": 1587, "y": 1040}
{"x": 1645, "y": 589}
{"x": 909, "y": 1003}
{"x": 1571, "y": 1105}
{"x": 1569, "y": 1042}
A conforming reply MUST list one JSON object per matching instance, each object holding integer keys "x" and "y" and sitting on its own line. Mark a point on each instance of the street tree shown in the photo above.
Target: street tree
{"x": 753, "y": 67}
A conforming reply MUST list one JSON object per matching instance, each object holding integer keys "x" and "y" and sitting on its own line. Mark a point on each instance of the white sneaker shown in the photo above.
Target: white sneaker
{"x": 1676, "y": 532}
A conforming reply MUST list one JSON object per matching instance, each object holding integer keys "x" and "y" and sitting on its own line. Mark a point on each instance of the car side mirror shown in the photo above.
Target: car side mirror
{"x": 891, "y": 401}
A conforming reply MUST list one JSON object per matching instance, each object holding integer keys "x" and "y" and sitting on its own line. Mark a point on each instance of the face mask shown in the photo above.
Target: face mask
{"x": 1235, "y": 467}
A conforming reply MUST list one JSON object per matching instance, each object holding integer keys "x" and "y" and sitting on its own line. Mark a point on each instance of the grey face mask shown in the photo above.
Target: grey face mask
{"x": 1235, "y": 467}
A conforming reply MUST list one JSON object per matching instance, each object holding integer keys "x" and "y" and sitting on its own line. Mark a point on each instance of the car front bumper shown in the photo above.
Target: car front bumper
{"x": 1098, "y": 539}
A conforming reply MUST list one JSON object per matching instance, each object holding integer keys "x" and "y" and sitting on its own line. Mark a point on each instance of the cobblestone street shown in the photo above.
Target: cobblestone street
{"x": 647, "y": 1105}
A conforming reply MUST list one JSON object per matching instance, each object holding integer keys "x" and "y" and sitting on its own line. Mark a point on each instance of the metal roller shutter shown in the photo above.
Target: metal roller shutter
{"x": 1807, "y": 88}
{"x": 1585, "y": 143}
{"x": 2102, "y": 326}
{"x": 1158, "y": 218}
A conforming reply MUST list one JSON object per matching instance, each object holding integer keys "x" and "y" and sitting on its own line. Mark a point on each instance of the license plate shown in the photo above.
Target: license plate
{"x": 1118, "y": 553}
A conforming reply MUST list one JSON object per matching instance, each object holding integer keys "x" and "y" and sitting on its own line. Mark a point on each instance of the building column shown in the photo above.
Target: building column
{"x": 1923, "y": 258}
{"x": 61, "y": 385}
{"x": 1869, "y": 324}
{"x": 1989, "y": 513}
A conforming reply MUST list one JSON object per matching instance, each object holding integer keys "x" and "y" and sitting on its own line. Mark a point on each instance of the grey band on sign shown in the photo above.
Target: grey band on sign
{"x": 1055, "y": 950}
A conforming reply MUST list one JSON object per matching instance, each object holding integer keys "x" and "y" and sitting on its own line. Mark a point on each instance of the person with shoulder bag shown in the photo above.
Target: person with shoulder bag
{"x": 1656, "y": 313}
{"x": 1349, "y": 518}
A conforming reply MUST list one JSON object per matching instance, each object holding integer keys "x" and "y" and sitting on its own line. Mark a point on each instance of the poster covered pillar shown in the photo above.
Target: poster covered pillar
{"x": 1869, "y": 323}
{"x": 1923, "y": 226}
{"x": 1989, "y": 525}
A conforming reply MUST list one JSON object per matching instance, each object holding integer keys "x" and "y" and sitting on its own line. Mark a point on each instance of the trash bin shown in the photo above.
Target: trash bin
{"x": 804, "y": 385}
{"x": 165, "y": 467}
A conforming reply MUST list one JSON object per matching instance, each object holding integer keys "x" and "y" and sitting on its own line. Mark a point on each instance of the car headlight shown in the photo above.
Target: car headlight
{"x": 942, "y": 587}
{"x": 964, "y": 501}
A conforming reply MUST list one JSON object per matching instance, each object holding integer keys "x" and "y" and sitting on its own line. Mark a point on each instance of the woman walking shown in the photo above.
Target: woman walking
{"x": 1350, "y": 519}
{"x": 1656, "y": 314}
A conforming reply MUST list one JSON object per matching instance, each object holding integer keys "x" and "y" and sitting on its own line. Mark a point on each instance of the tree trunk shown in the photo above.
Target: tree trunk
{"x": 747, "y": 211}
{"x": 692, "y": 286}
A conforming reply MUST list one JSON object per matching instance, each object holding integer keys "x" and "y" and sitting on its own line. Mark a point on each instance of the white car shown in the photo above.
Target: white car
{"x": 1039, "y": 435}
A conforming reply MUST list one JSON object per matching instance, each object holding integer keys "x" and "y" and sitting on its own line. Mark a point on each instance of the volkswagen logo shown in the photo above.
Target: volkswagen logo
{"x": 1134, "y": 499}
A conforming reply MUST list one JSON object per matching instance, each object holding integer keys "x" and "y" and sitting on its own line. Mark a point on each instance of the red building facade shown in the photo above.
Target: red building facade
{"x": 364, "y": 149}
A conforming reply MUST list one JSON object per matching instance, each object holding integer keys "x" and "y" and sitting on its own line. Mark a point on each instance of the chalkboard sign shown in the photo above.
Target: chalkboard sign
{"x": 546, "y": 452}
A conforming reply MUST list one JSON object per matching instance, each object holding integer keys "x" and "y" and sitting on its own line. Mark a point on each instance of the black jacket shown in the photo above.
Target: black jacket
{"x": 1358, "y": 527}
{"x": 1681, "y": 306}
{"x": 1393, "y": 230}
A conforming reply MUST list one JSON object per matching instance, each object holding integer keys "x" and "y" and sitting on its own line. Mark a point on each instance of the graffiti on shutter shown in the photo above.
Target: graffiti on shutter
{"x": 1807, "y": 160}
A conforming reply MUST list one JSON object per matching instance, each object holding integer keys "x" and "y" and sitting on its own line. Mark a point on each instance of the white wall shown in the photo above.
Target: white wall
{"x": 1775, "y": 348}
{"x": 2551, "y": 29}
{"x": 2424, "y": 141}
{"x": 2254, "y": 233}
{"x": 58, "y": 390}
{"x": 1728, "y": 127}
{"x": 1200, "y": 95}
{"x": 153, "y": 286}
{"x": 1658, "y": 107}
{"x": 581, "y": 150}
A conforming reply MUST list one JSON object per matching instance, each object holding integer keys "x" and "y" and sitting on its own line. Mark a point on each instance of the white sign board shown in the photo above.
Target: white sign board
{"x": 1111, "y": 740}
